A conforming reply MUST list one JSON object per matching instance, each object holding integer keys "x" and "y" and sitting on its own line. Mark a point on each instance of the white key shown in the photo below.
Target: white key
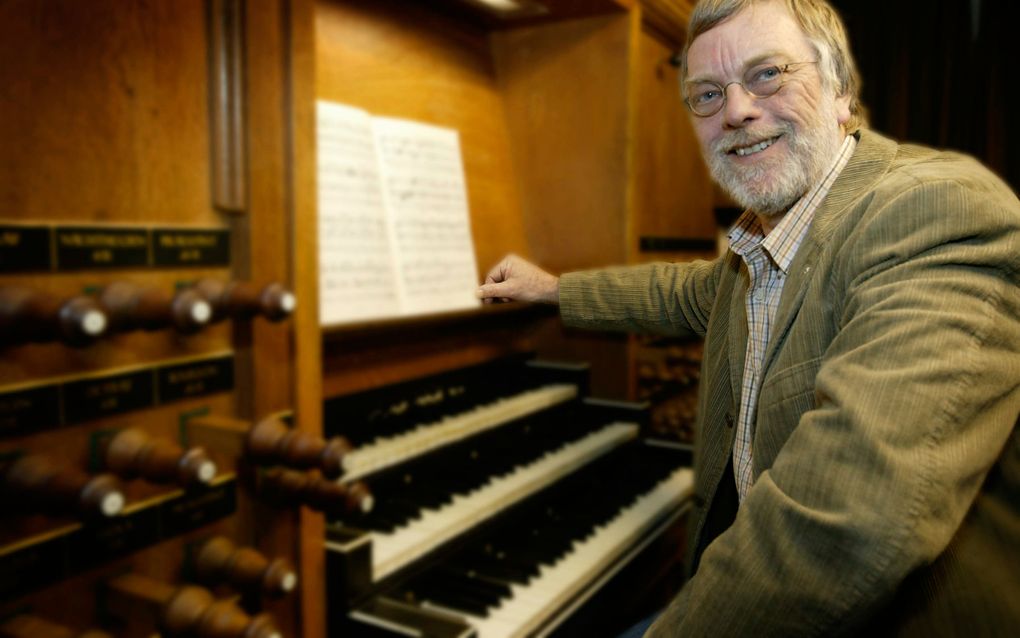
{"x": 424, "y": 438}
{"x": 534, "y": 604}
{"x": 391, "y": 551}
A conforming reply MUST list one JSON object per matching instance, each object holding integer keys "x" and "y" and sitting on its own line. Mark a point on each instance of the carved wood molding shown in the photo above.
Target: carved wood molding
{"x": 667, "y": 18}
{"x": 227, "y": 105}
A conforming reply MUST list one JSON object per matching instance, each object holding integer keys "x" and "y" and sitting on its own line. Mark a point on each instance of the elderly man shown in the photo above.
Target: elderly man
{"x": 858, "y": 462}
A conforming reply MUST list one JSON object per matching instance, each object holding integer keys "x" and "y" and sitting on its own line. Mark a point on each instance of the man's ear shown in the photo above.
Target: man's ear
{"x": 843, "y": 109}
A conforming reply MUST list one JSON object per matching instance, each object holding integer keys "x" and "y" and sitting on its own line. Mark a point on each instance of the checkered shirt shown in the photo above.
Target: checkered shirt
{"x": 768, "y": 258}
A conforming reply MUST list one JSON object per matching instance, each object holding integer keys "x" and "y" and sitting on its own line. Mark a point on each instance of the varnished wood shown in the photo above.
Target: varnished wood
{"x": 219, "y": 560}
{"x": 401, "y": 59}
{"x": 186, "y": 610}
{"x": 133, "y": 453}
{"x": 271, "y": 440}
{"x": 104, "y": 116}
{"x": 673, "y": 192}
{"x": 226, "y": 105}
{"x": 105, "y": 121}
{"x": 566, "y": 109}
{"x": 39, "y": 484}
{"x": 667, "y": 19}
{"x": 133, "y": 307}
{"x": 288, "y": 487}
{"x": 244, "y": 300}
{"x": 300, "y": 49}
{"x": 30, "y": 626}
{"x": 28, "y": 315}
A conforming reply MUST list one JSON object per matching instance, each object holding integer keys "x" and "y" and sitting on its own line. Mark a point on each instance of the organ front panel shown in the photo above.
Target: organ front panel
{"x": 186, "y": 450}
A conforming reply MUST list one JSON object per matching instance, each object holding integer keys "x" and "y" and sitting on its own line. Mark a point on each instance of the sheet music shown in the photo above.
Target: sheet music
{"x": 394, "y": 229}
{"x": 426, "y": 198}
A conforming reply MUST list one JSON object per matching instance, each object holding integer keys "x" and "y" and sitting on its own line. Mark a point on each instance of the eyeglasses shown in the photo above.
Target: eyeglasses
{"x": 705, "y": 99}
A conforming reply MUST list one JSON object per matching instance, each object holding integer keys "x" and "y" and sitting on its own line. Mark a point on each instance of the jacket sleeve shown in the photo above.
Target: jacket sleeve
{"x": 660, "y": 298}
{"x": 914, "y": 400}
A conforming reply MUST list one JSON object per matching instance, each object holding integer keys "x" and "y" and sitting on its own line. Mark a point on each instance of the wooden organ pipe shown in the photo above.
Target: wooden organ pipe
{"x": 133, "y": 307}
{"x": 184, "y": 611}
{"x": 32, "y": 626}
{"x": 31, "y": 316}
{"x": 35, "y": 483}
{"x": 270, "y": 440}
{"x": 243, "y": 300}
{"x": 219, "y": 560}
{"x": 285, "y": 486}
{"x": 133, "y": 453}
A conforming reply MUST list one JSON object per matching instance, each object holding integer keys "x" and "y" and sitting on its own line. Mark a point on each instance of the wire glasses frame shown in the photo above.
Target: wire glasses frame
{"x": 705, "y": 99}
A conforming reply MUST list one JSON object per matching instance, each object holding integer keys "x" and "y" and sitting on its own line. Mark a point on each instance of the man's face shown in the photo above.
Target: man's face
{"x": 765, "y": 152}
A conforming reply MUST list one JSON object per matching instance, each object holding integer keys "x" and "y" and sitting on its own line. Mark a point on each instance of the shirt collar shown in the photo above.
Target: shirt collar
{"x": 781, "y": 244}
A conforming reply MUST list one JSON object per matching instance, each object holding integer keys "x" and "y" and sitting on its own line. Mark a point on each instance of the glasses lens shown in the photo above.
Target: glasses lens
{"x": 705, "y": 98}
{"x": 763, "y": 81}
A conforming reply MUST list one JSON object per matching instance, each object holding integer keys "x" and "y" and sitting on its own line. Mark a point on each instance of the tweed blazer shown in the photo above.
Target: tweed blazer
{"x": 886, "y": 455}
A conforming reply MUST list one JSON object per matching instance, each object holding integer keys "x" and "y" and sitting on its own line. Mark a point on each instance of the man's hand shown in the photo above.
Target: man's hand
{"x": 514, "y": 279}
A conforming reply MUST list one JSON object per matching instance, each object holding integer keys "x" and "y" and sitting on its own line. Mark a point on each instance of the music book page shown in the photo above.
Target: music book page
{"x": 357, "y": 280}
{"x": 394, "y": 229}
{"x": 426, "y": 200}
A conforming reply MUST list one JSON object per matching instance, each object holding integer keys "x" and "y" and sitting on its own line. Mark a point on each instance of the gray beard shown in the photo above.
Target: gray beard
{"x": 770, "y": 188}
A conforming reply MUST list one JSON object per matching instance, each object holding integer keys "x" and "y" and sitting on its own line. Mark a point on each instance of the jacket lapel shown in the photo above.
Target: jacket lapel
{"x": 870, "y": 161}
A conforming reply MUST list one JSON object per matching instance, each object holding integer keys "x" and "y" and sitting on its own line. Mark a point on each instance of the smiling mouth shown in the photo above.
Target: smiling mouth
{"x": 744, "y": 151}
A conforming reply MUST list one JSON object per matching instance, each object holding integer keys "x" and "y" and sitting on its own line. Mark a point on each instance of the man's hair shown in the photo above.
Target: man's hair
{"x": 824, "y": 30}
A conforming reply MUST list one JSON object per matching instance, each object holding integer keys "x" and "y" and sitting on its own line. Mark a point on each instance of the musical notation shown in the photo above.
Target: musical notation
{"x": 394, "y": 229}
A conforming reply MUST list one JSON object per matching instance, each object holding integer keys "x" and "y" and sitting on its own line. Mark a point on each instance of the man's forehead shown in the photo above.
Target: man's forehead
{"x": 760, "y": 31}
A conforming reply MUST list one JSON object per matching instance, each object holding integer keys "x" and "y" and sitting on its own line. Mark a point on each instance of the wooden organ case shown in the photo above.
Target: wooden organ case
{"x": 170, "y": 406}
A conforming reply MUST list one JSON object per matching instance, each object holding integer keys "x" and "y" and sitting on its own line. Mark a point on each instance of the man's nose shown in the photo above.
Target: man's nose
{"x": 741, "y": 107}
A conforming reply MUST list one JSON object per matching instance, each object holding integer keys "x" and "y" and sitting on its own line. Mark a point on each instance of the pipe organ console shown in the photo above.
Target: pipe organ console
{"x": 504, "y": 501}
{"x": 186, "y": 450}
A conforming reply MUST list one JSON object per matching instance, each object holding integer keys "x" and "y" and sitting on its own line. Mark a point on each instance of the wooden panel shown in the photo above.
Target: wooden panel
{"x": 307, "y": 336}
{"x": 565, "y": 88}
{"x": 104, "y": 111}
{"x": 399, "y": 59}
{"x": 668, "y": 19}
{"x": 104, "y": 120}
{"x": 673, "y": 192}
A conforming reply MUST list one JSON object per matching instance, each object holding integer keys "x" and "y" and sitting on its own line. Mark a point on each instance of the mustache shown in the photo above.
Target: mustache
{"x": 747, "y": 137}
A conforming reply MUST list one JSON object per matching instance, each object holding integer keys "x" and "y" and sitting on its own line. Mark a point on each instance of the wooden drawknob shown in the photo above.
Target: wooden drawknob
{"x": 271, "y": 440}
{"x": 243, "y": 300}
{"x": 327, "y": 496}
{"x": 31, "y": 316}
{"x": 192, "y": 611}
{"x": 132, "y": 453}
{"x": 134, "y": 307}
{"x": 219, "y": 560}
{"x": 35, "y": 483}
{"x": 186, "y": 611}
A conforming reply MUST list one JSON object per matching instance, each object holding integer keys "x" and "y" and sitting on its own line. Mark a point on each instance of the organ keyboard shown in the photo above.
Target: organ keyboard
{"x": 384, "y": 452}
{"x": 501, "y": 517}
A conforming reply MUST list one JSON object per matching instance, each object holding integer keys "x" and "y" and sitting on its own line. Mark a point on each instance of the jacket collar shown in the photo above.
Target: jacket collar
{"x": 870, "y": 162}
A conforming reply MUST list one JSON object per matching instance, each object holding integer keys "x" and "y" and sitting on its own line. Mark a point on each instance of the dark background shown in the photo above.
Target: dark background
{"x": 941, "y": 72}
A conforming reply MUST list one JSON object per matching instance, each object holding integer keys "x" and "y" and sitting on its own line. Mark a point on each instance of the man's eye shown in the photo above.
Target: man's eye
{"x": 767, "y": 74}
{"x": 707, "y": 97}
